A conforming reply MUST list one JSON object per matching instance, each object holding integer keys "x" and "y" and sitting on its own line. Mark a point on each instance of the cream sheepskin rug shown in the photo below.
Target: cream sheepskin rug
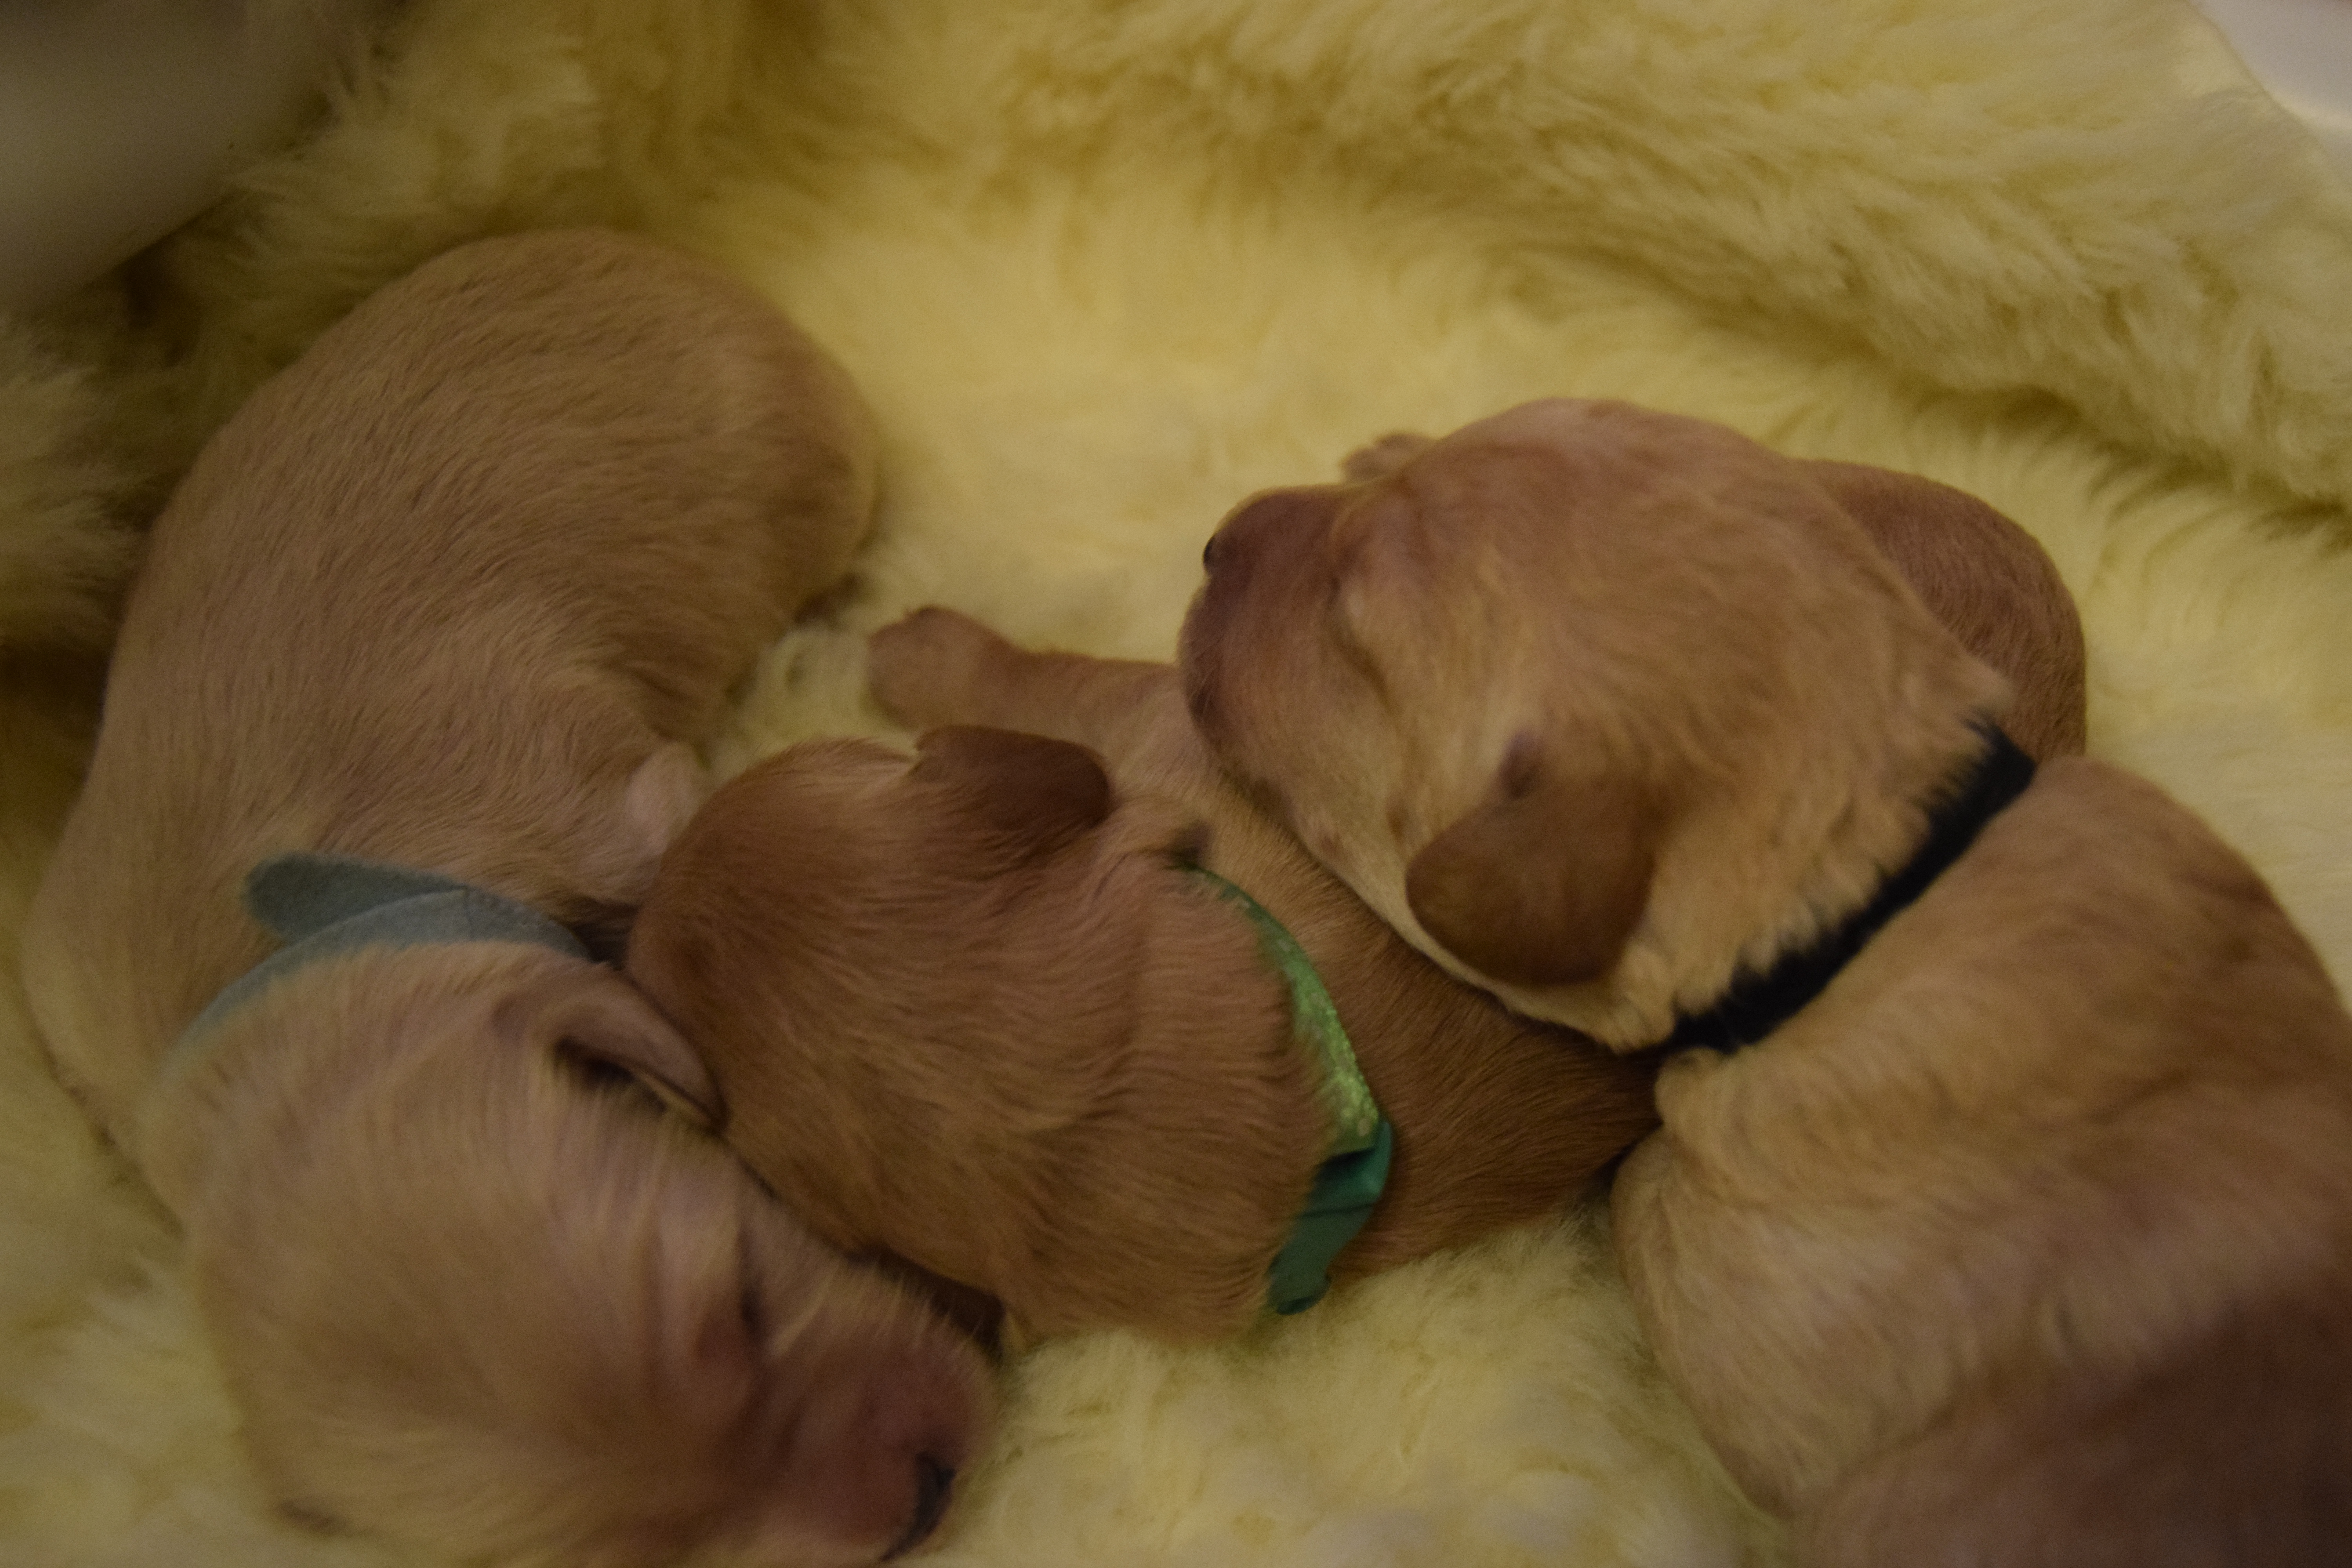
{"x": 1104, "y": 267}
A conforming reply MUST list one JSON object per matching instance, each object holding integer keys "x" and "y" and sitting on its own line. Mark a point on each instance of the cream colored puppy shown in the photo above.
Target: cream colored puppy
{"x": 2022, "y": 1232}
{"x": 451, "y": 594}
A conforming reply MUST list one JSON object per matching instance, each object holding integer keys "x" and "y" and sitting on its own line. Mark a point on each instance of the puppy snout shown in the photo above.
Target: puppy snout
{"x": 934, "y": 1485}
{"x": 1226, "y": 547}
{"x": 869, "y": 1463}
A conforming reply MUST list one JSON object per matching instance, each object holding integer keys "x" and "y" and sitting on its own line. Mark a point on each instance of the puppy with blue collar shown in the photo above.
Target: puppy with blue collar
{"x": 404, "y": 692}
{"x": 2003, "y": 1208}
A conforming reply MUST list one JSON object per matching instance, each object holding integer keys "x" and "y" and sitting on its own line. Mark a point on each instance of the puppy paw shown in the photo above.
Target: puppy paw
{"x": 919, "y": 667}
{"x": 660, "y": 798}
{"x": 1382, "y": 457}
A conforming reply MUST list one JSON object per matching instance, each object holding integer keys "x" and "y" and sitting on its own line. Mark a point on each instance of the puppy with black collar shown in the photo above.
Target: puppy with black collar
{"x": 2020, "y": 1231}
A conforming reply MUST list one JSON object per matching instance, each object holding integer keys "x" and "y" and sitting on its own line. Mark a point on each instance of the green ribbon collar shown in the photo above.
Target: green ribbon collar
{"x": 1355, "y": 1162}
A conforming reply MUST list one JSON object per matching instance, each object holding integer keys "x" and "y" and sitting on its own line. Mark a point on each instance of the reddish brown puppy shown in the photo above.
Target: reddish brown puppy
{"x": 2021, "y": 1231}
{"x": 977, "y": 1009}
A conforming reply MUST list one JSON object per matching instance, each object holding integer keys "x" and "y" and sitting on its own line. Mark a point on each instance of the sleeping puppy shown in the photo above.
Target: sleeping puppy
{"x": 2022, "y": 1232}
{"x": 974, "y": 1008}
{"x": 445, "y": 601}
{"x": 1985, "y": 578}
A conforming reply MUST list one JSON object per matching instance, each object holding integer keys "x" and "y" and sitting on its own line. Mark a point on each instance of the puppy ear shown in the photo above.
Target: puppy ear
{"x": 1542, "y": 884}
{"x": 593, "y": 1017}
{"x": 1038, "y": 794}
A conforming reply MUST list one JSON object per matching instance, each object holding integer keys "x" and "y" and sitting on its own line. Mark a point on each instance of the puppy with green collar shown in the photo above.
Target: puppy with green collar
{"x": 1048, "y": 1010}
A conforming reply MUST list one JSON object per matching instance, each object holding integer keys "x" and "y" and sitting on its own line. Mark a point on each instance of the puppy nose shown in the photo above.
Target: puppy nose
{"x": 1260, "y": 522}
{"x": 1229, "y": 547}
{"x": 934, "y": 1484}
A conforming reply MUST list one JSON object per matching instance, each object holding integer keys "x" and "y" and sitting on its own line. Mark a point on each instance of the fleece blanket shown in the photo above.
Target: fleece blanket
{"x": 1103, "y": 267}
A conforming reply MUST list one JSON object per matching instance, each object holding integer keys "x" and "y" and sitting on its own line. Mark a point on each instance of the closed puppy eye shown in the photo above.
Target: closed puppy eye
{"x": 752, "y": 1308}
{"x": 1352, "y": 621}
{"x": 600, "y": 1075}
{"x": 312, "y": 1516}
{"x": 1362, "y": 552}
{"x": 1188, "y": 842}
{"x": 594, "y": 1072}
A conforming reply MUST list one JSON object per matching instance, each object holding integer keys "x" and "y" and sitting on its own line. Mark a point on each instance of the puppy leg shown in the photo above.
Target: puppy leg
{"x": 937, "y": 668}
{"x": 662, "y": 795}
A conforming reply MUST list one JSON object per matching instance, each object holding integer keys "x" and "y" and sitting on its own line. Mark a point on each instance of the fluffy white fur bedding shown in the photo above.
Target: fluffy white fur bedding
{"x": 1103, "y": 268}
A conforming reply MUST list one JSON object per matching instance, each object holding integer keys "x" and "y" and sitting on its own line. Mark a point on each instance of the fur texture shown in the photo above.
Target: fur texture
{"x": 64, "y": 543}
{"x": 1977, "y": 571}
{"x": 1102, "y": 269}
{"x": 976, "y": 1010}
{"x": 2035, "y": 1212}
{"x": 1646, "y": 794}
{"x": 1497, "y": 1119}
{"x": 462, "y": 1292}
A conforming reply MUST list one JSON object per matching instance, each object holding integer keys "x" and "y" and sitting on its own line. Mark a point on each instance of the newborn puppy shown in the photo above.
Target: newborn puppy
{"x": 2022, "y": 1232}
{"x": 974, "y": 1009}
{"x": 454, "y": 591}
{"x": 1985, "y": 578}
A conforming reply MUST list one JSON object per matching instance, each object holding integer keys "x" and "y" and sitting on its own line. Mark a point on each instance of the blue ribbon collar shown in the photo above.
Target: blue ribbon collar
{"x": 1355, "y": 1166}
{"x": 323, "y": 906}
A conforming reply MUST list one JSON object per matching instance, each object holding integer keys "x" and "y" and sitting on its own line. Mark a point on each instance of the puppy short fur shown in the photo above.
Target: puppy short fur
{"x": 971, "y": 1008}
{"x": 454, "y": 591}
{"x": 2030, "y": 1240}
{"x": 1985, "y": 578}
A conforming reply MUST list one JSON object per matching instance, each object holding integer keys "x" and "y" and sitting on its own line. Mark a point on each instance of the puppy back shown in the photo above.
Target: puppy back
{"x": 1093, "y": 1112}
{"x": 431, "y": 594}
{"x": 1990, "y": 584}
{"x": 2094, "y": 1086}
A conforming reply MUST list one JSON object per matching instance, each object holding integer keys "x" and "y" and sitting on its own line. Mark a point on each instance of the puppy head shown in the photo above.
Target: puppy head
{"x": 1590, "y": 703}
{"x": 970, "y": 1008}
{"x": 472, "y": 1288}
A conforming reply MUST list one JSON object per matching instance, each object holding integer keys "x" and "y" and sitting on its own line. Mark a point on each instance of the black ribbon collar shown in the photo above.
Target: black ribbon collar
{"x": 1759, "y": 1004}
